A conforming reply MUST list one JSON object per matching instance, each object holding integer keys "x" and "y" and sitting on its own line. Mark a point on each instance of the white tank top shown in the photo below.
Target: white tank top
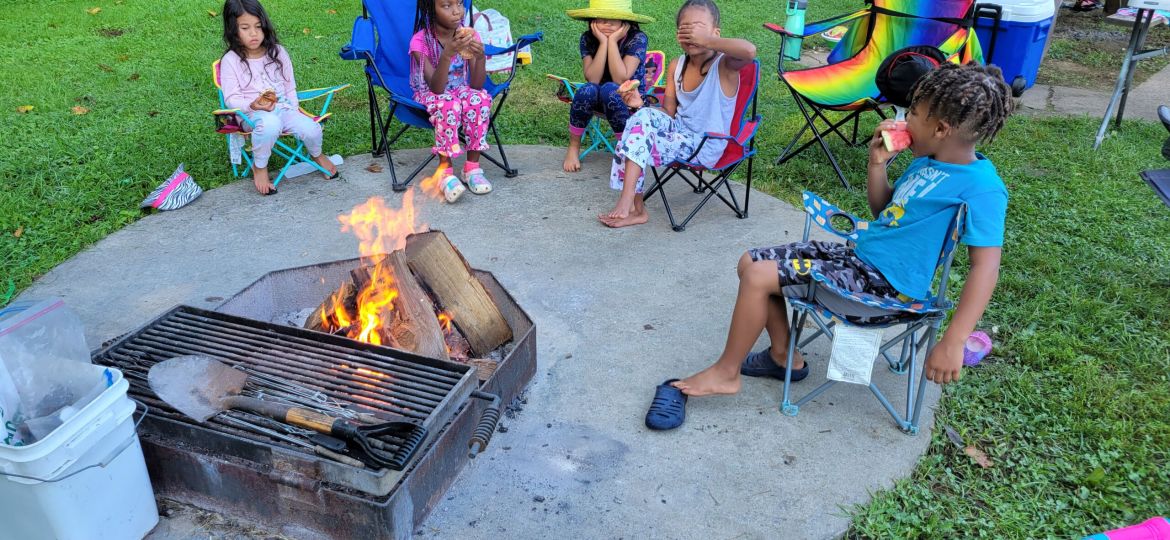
{"x": 705, "y": 109}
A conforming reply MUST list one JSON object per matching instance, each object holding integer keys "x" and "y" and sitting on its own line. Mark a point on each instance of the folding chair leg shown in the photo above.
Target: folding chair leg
{"x": 787, "y": 153}
{"x": 395, "y": 186}
{"x": 509, "y": 172}
{"x": 794, "y": 322}
{"x": 747, "y": 192}
{"x": 596, "y": 138}
{"x": 375, "y": 117}
{"x": 931, "y": 340}
{"x": 825, "y": 148}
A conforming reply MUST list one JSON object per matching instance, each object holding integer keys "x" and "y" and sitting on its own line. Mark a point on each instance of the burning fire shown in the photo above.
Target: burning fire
{"x": 380, "y": 230}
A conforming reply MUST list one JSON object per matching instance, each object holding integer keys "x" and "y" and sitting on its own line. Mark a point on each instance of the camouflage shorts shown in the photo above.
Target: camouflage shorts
{"x": 835, "y": 261}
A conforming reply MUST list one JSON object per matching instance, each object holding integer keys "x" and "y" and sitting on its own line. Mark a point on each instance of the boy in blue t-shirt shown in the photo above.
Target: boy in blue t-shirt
{"x": 953, "y": 108}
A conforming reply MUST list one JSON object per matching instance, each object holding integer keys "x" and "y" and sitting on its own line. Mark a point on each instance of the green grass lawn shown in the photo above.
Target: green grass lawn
{"x": 1073, "y": 410}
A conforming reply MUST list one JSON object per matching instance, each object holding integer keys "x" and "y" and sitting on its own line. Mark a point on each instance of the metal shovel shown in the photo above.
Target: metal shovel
{"x": 201, "y": 387}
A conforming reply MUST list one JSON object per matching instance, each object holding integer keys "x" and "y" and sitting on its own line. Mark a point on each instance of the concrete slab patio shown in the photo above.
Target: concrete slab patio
{"x": 617, "y": 312}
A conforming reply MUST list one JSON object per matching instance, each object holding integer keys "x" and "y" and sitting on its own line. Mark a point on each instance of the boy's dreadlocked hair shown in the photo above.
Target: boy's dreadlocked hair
{"x": 973, "y": 99}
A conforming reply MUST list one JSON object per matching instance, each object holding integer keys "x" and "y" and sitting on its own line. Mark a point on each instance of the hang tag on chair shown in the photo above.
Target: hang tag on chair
{"x": 854, "y": 350}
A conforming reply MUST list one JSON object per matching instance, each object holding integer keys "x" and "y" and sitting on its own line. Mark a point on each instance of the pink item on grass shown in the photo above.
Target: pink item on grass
{"x": 1157, "y": 528}
{"x": 977, "y": 347}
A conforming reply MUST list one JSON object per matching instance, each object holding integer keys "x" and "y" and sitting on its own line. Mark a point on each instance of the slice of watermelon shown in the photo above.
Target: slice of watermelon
{"x": 629, "y": 86}
{"x": 896, "y": 140}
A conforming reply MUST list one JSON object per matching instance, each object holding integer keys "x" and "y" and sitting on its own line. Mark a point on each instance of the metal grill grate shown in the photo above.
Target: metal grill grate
{"x": 359, "y": 378}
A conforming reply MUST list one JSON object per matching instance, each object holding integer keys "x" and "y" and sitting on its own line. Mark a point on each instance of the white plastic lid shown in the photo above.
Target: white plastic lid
{"x": 1026, "y": 11}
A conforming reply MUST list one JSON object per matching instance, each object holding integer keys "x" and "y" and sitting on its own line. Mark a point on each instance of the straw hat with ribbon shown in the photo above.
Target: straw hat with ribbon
{"x": 621, "y": 10}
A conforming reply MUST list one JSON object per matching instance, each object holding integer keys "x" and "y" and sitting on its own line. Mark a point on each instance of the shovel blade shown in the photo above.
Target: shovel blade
{"x": 196, "y": 385}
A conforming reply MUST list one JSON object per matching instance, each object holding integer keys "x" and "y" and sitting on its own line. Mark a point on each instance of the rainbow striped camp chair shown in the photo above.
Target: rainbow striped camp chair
{"x": 598, "y": 132}
{"x": 847, "y": 84}
{"x": 235, "y": 125}
{"x": 828, "y": 306}
{"x": 741, "y": 149}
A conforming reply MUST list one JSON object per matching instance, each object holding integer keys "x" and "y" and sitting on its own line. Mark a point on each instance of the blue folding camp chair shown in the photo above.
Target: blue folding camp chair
{"x": 597, "y": 131}
{"x": 829, "y": 306}
{"x": 741, "y": 148}
{"x": 228, "y": 122}
{"x": 381, "y": 37}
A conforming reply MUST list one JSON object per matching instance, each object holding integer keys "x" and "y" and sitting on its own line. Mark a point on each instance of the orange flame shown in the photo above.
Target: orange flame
{"x": 432, "y": 185}
{"x": 380, "y": 230}
{"x": 445, "y": 322}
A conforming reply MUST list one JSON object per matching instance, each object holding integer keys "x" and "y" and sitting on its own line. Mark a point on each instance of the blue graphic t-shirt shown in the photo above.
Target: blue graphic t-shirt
{"x": 905, "y": 241}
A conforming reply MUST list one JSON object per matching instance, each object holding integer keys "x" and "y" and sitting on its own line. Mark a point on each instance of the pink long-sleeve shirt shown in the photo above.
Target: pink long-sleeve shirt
{"x": 241, "y": 87}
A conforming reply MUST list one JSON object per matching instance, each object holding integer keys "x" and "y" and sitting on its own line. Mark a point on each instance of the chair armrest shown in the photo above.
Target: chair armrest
{"x": 225, "y": 112}
{"x": 822, "y": 213}
{"x": 817, "y": 27}
{"x": 361, "y": 41}
{"x": 746, "y": 133}
{"x": 315, "y": 93}
{"x": 524, "y": 41}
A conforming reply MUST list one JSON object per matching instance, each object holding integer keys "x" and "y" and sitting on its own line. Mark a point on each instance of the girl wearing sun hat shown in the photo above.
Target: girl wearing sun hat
{"x": 613, "y": 51}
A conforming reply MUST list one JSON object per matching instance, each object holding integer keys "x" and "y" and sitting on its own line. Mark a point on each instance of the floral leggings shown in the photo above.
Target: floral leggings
{"x": 652, "y": 139}
{"x": 462, "y": 106}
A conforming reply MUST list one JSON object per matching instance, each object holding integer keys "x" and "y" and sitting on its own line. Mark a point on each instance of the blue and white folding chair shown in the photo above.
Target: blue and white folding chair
{"x": 236, "y": 125}
{"x": 829, "y": 306}
{"x": 381, "y": 37}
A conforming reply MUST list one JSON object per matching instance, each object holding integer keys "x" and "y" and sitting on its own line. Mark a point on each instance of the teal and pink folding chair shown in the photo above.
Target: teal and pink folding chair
{"x": 597, "y": 131}
{"x": 235, "y": 124}
{"x": 846, "y": 84}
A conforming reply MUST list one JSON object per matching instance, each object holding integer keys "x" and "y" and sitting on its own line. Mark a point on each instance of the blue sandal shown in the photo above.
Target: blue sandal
{"x": 760, "y": 364}
{"x": 669, "y": 408}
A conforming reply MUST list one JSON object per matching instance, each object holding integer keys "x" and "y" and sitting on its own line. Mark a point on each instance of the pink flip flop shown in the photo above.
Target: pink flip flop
{"x": 977, "y": 347}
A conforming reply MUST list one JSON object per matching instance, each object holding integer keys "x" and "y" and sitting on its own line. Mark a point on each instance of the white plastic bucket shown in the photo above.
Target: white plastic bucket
{"x": 86, "y": 480}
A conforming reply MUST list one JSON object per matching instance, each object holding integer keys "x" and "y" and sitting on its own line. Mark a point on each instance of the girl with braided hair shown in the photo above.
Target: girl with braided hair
{"x": 447, "y": 74}
{"x": 953, "y": 109}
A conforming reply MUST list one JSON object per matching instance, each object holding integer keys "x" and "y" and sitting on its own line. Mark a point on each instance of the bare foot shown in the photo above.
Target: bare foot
{"x": 263, "y": 184}
{"x": 635, "y": 218}
{"x": 709, "y": 382}
{"x": 572, "y": 160}
{"x": 621, "y": 210}
{"x": 328, "y": 165}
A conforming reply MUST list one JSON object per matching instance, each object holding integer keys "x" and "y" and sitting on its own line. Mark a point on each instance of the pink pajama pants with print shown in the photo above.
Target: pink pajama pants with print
{"x": 458, "y": 107}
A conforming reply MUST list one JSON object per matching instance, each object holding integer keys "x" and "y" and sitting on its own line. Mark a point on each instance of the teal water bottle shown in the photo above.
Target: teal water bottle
{"x": 794, "y": 24}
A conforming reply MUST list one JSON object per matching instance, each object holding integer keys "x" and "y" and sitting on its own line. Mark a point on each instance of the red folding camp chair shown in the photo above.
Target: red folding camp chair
{"x": 741, "y": 148}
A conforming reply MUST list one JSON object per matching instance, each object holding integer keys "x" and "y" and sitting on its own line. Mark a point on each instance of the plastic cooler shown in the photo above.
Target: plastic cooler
{"x": 1020, "y": 39}
{"x": 86, "y": 480}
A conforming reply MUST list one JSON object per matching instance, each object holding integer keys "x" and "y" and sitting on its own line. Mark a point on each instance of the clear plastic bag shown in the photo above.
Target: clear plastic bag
{"x": 40, "y": 344}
